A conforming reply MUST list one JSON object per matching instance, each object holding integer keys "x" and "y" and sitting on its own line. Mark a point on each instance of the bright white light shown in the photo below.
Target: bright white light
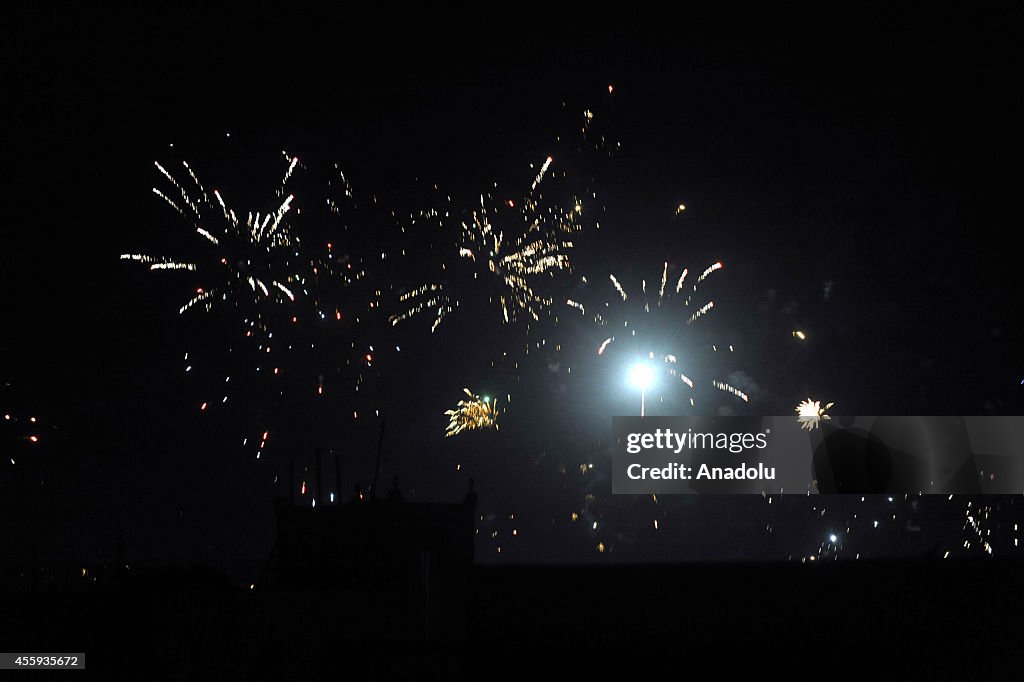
{"x": 832, "y": 538}
{"x": 641, "y": 375}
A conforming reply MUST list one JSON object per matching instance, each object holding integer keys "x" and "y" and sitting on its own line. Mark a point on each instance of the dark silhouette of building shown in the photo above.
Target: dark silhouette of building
{"x": 395, "y": 494}
{"x": 470, "y": 500}
{"x": 397, "y": 570}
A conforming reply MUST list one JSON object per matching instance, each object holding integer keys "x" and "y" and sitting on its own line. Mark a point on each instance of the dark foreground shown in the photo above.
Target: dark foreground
{"x": 886, "y": 620}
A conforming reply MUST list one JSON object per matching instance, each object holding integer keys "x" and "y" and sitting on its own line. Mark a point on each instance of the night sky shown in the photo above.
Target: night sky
{"x": 855, "y": 173}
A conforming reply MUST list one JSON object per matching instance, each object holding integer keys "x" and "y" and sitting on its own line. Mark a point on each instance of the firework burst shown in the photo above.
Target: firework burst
{"x": 254, "y": 259}
{"x": 474, "y": 413}
{"x": 810, "y": 413}
{"x": 512, "y": 264}
{"x": 655, "y": 326}
{"x": 505, "y": 247}
{"x": 294, "y": 335}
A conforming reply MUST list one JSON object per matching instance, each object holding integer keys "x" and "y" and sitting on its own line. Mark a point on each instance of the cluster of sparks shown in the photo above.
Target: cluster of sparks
{"x": 509, "y": 245}
{"x": 256, "y": 253}
{"x": 26, "y": 430}
{"x": 885, "y": 526}
{"x": 851, "y": 528}
{"x": 472, "y": 413}
{"x": 988, "y": 527}
{"x": 25, "y": 437}
{"x": 284, "y": 293}
{"x": 810, "y": 413}
{"x": 514, "y": 264}
{"x": 670, "y": 317}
